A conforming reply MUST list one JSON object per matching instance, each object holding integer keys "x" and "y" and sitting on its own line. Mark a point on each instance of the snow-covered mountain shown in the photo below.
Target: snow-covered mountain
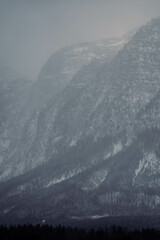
{"x": 13, "y": 95}
{"x": 94, "y": 148}
{"x": 85, "y": 59}
{"x": 62, "y": 66}
{"x": 100, "y": 101}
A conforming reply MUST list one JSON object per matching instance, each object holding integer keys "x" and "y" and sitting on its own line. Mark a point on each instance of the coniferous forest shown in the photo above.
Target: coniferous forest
{"x": 47, "y": 232}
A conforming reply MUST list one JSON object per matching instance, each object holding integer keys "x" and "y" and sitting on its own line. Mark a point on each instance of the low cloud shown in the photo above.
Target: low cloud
{"x": 32, "y": 30}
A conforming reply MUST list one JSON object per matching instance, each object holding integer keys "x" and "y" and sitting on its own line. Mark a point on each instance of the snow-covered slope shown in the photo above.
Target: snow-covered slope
{"x": 13, "y": 94}
{"x": 100, "y": 101}
{"x": 95, "y": 148}
{"x": 62, "y": 66}
{"x": 35, "y": 146}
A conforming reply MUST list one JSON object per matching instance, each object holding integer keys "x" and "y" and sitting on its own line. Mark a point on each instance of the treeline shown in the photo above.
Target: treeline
{"x": 46, "y": 232}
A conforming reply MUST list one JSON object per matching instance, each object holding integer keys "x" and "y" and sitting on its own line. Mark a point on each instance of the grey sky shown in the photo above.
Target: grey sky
{"x": 31, "y": 30}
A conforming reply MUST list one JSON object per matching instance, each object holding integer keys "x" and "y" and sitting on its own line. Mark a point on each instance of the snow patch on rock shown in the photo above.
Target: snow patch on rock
{"x": 117, "y": 148}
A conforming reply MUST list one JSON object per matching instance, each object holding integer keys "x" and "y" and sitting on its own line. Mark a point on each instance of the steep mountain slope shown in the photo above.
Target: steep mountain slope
{"x": 13, "y": 94}
{"x": 136, "y": 74}
{"x": 98, "y": 143}
{"x": 62, "y": 66}
{"x": 99, "y": 102}
{"x": 38, "y": 127}
{"x": 111, "y": 188}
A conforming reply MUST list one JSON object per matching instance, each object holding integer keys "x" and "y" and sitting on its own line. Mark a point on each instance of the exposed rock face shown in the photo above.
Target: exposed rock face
{"x": 99, "y": 101}
{"x": 63, "y": 65}
{"x": 98, "y": 140}
{"x": 13, "y": 95}
{"x": 34, "y": 146}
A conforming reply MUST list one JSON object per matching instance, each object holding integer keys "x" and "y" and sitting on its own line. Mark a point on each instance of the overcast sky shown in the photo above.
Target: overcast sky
{"x": 31, "y": 30}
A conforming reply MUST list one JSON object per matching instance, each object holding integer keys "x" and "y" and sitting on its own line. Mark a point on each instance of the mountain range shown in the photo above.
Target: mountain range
{"x": 83, "y": 140}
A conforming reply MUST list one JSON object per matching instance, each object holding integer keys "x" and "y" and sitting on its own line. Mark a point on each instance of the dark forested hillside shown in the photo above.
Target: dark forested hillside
{"x": 44, "y": 232}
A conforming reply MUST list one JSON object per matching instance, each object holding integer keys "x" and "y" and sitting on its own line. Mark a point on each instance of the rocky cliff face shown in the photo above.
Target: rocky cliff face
{"x": 63, "y": 65}
{"x": 97, "y": 142}
{"x": 85, "y": 59}
{"x": 13, "y": 95}
{"x": 100, "y": 101}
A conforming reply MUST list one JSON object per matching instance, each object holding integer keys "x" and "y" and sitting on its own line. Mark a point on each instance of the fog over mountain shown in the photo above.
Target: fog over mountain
{"x": 32, "y": 30}
{"x": 82, "y": 140}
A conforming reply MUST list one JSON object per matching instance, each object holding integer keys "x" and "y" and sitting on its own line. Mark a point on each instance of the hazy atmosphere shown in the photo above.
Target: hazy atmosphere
{"x": 80, "y": 115}
{"x": 31, "y": 30}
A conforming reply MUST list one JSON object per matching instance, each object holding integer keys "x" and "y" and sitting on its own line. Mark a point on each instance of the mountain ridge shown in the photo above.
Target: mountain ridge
{"x": 98, "y": 142}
